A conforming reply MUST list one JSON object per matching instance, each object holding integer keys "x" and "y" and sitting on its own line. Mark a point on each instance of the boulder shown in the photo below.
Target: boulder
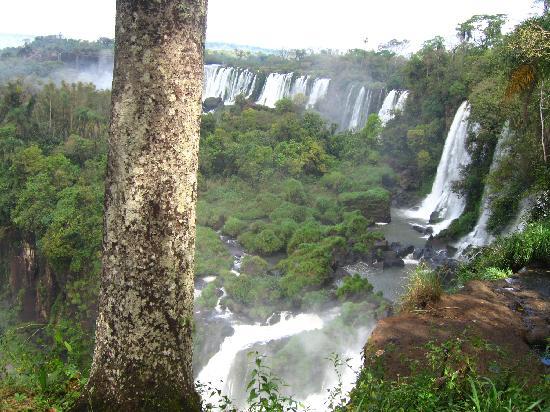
{"x": 391, "y": 259}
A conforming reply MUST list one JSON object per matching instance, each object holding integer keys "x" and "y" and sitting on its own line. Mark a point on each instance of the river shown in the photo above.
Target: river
{"x": 300, "y": 343}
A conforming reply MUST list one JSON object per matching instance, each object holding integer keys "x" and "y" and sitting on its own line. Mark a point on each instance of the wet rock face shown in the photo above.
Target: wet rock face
{"x": 392, "y": 259}
{"x": 400, "y": 250}
{"x": 207, "y": 345}
{"x": 528, "y": 294}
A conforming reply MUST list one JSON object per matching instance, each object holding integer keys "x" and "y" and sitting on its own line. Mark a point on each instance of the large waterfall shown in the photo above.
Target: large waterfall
{"x": 227, "y": 83}
{"x": 446, "y": 204}
{"x": 350, "y": 106}
{"x": 480, "y": 236}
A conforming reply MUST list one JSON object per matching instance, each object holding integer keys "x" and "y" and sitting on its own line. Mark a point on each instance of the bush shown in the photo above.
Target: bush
{"x": 293, "y": 191}
{"x": 511, "y": 253}
{"x": 354, "y": 288}
{"x": 234, "y": 227}
{"x": 212, "y": 256}
{"x": 309, "y": 232}
{"x": 424, "y": 287}
{"x": 254, "y": 265}
{"x": 373, "y": 204}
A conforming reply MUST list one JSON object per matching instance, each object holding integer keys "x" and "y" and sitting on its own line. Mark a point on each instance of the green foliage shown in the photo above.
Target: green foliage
{"x": 449, "y": 382}
{"x": 49, "y": 361}
{"x": 308, "y": 268}
{"x": 234, "y": 227}
{"x": 209, "y": 296}
{"x": 354, "y": 288}
{"x": 212, "y": 257}
{"x": 511, "y": 253}
{"x": 254, "y": 265}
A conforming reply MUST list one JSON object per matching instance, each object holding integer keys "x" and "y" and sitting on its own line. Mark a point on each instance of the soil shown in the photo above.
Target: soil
{"x": 512, "y": 315}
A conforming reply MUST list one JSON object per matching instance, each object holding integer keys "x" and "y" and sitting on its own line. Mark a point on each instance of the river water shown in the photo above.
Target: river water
{"x": 305, "y": 340}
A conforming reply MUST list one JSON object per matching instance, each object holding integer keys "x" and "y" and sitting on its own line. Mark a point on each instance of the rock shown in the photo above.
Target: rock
{"x": 418, "y": 228}
{"x": 434, "y": 217}
{"x": 538, "y": 335}
{"x": 418, "y": 253}
{"x": 212, "y": 103}
{"x": 391, "y": 259}
{"x": 401, "y": 250}
{"x": 380, "y": 245}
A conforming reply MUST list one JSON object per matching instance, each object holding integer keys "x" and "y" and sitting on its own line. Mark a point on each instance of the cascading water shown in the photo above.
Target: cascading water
{"x": 480, "y": 236}
{"x": 277, "y": 86}
{"x": 394, "y": 101}
{"x": 386, "y": 112}
{"x": 218, "y": 369}
{"x": 357, "y": 106}
{"x": 319, "y": 91}
{"x": 442, "y": 200}
{"x": 400, "y": 105}
{"x": 227, "y": 83}
{"x": 299, "y": 86}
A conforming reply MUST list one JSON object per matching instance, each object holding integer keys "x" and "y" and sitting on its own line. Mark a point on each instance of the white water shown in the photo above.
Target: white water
{"x": 394, "y": 102}
{"x": 455, "y": 156}
{"x": 400, "y": 105}
{"x": 277, "y": 86}
{"x": 319, "y": 91}
{"x": 227, "y": 82}
{"x": 299, "y": 86}
{"x": 218, "y": 369}
{"x": 357, "y": 106}
{"x": 480, "y": 235}
{"x": 386, "y": 111}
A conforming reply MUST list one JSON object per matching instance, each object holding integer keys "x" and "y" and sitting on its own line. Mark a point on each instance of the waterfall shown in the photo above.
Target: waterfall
{"x": 347, "y": 107}
{"x": 442, "y": 200}
{"x": 318, "y": 91}
{"x": 394, "y": 101}
{"x": 227, "y": 83}
{"x": 277, "y": 86}
{"x": 218, "y": 368}
{"x": 480, "y": 236}
{"x": 401, "y": 101}
{"x": 299, "y": 86}
{"x": 386, "y": 112}
{"x": 357, "y": 106}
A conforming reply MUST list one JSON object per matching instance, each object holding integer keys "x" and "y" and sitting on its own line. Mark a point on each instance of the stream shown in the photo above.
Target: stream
{"x": 299, "y": 343}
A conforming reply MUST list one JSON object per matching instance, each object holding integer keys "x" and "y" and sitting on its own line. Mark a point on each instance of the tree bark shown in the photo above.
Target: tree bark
{"x": 541, "y": 111}
{"x": 143, "y": 354}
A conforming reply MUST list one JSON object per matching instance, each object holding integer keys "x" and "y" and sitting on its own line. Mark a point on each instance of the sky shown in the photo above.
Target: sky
{"x": 317, "y": 24}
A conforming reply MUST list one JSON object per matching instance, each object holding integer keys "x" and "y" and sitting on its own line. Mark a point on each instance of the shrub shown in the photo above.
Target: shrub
{"x": 293, "y": 191}
{"x": 424, "y": 287}
{"x": 354, "y": 288}
{"x": 254, "y": 265}
{"x": 233, "y": 227}
{"x": 530, "y": 247}
{"x": 212, "y": 257}
{"x": 373, "y": 203}
{"x": 309, "y": 232}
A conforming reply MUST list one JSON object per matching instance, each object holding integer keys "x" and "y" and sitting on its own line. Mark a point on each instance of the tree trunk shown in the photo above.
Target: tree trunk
{"x": 143, "y": 354}
{"x": 541, "y": 110}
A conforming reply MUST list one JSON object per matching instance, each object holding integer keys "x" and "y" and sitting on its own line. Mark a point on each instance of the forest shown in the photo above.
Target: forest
{"x": 302, "y": 200}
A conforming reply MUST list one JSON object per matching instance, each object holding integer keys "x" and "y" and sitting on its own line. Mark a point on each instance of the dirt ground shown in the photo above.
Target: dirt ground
{"x": 504, "y": 323}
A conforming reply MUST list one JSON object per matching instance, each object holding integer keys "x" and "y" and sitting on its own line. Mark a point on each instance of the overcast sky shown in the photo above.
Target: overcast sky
{"x": 340, "y": 24}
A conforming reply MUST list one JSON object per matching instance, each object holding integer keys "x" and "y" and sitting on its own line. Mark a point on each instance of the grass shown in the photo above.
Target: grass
{"x": 424, "y": 287}
{"x": 447, "y": 381}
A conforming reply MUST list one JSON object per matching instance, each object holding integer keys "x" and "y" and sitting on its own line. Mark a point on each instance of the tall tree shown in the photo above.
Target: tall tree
{"x": 142, "y": 358}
